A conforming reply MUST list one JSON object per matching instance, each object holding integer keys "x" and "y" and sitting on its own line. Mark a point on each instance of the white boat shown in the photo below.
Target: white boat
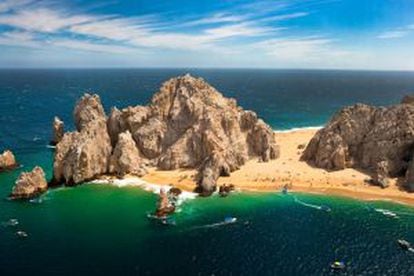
{"x": 230, "y": 219}
{"x": 387, "y": 213}
{"x": 22, "y": 234}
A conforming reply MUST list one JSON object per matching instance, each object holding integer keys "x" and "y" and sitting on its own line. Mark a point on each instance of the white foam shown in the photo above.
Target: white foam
{"x": 298, "y": 129}
{"x": 147, "y": 186}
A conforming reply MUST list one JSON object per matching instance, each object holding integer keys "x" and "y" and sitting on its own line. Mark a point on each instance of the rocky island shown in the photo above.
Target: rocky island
{"x": 7, "y": 161}
{"x": 187, "y": 125}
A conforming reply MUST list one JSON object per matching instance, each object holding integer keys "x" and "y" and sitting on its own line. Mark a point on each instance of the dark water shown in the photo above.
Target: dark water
{"x": 103, "y": 230}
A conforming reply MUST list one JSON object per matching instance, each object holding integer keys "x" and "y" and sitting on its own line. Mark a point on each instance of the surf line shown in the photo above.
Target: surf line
{"x": 318, "y": 207}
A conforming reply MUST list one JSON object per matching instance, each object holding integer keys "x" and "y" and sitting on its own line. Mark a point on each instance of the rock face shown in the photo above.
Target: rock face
{"x": 84, "y": 154}
{"x": 125, "y": 159}
{"x": 188, "y": 124}
{"x": 29, "y": 184}
{"x": 7, "y": 161}
{"x": 57, "y": 130}
{"x": 376, "y": 139}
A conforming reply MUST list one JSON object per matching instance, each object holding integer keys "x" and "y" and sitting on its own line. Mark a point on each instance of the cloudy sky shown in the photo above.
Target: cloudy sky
{"x": 342, "y": 34}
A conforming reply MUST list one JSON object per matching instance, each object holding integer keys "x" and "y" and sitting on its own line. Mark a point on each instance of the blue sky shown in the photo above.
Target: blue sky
{"x": 340, "y": 34}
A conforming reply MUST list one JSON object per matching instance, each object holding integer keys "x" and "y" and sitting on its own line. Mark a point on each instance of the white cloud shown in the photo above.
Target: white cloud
{"x": 213, "y": 19}
{"x": 42, "y": 20}
{"x": 285, "y": 16}
{"x": 90, "y": 46}
{"x": 304, "y": 51}
{"x": 393, "y": 34}
{"x": 18, "y": 38}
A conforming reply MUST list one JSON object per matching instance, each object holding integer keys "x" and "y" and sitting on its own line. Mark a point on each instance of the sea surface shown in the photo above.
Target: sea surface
{"x": 98, "y": 229}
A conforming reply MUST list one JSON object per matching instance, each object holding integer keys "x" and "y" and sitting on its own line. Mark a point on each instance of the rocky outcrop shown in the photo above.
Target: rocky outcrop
{"x": 188, "y": 124}
{"x": 225, "y": 189}
{"x": 164, "y": 206}
{"x": 378, "y": 140}
{"x": 7, "y": 161}
{"x": 125, "y": 158}
{"x": 57, "y": 130}
{"x": 29, "y": 184}
{"x": 84, "y": 154}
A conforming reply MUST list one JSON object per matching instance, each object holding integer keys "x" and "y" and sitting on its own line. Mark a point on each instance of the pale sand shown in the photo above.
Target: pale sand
{"x": 287, "y": 169}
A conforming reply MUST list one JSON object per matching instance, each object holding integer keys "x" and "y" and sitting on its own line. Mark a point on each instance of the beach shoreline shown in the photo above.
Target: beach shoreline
{"x": 288, "y": 170}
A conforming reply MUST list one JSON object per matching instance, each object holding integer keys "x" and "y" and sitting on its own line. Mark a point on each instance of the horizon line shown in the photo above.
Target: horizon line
{"x": 206, "y": 68}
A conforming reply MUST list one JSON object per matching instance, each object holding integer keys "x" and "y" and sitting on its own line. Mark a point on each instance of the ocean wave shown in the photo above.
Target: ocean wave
{"x": 147, "y": 186}
{"x": 298, "y": 129}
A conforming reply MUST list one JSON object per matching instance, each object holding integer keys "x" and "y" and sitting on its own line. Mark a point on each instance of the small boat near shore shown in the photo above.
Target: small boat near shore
{"x": 338, "y": 265}
{"x": 11, "y": 223}
{"x": 405, "y": 245}
{"x": 386, "y": 213}
{"x": 22, "y": 234}
{"x": 229, "y": 219}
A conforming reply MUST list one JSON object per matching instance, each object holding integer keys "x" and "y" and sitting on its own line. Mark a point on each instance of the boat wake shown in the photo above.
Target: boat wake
{"x": 317, "y": 207}
{"x": 226, "y": 221}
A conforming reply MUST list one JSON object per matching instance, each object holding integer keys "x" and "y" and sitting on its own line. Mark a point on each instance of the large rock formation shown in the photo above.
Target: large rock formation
{"x": 29, "y": 184}
{"x": 376, "y": 139}
{"x": 84, "y": 154}
{"x": 7, "y": 161}
{"x": 57, "y": 130}
{"x": 188, "y": 124}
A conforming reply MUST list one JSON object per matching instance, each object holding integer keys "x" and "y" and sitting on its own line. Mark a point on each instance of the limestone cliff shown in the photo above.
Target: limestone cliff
{"x": 84, "y": 154}
{"x": 379, "y": 140}
{"x": 188, "y": 124}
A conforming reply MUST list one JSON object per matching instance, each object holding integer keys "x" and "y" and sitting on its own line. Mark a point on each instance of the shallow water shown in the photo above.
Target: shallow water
{"x": 103, "y": 230}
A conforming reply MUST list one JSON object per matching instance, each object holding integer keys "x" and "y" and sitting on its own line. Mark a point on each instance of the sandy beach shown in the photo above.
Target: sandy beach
{"x": 288, "y": 169}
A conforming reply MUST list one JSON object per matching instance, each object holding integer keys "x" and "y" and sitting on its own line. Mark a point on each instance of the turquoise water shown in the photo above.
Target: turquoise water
{"x": 103, "y": 230}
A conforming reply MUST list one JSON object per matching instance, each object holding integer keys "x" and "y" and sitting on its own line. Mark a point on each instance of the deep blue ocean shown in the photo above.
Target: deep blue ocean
{"x": 103, "y": 230}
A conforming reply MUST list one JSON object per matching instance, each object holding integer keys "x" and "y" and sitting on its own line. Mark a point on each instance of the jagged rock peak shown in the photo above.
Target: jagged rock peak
{"x": 88, "y": 109}
{"x": 29, "y": 184}
{"x": 377, "y": 139}
{"x": 57, "y": 130}
{"x": 188, "y": 88}
{"x": 84, "y": 154}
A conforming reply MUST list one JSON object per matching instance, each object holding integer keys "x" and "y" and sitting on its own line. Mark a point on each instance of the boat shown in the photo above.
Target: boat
{"x": 22, "y": 234}
{"x": 325, "y": 208}
{"x": 404, "y": 244}
{"x": 230, "y": 219}
{"x": 387, "y": 213}
{"x": 11, "y": 222}
{"x": 338, "y": 265}
{"x": 285, "y": 190}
